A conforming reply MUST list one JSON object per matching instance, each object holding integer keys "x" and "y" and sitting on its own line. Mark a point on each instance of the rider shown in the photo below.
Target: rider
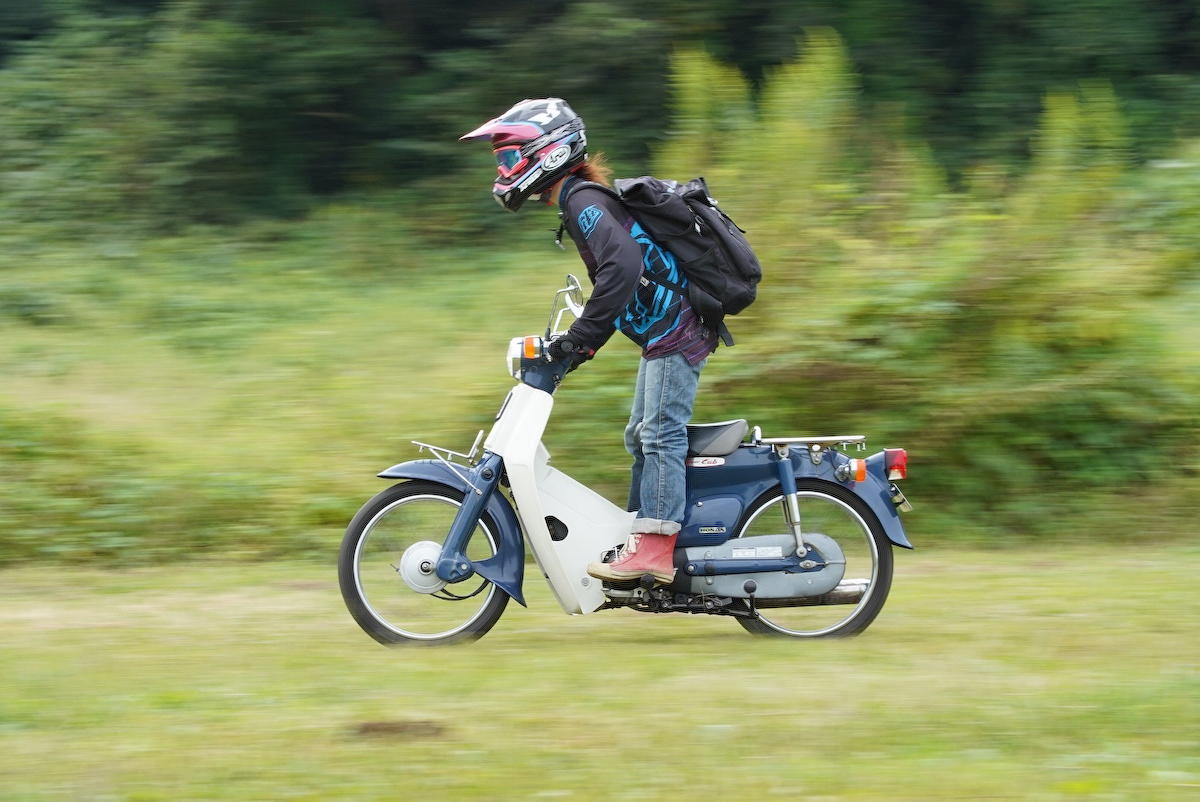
{"x": 541, "y": 149}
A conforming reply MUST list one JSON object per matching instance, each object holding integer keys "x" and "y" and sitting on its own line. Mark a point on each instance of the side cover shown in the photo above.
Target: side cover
{"x": 507, "y": 568}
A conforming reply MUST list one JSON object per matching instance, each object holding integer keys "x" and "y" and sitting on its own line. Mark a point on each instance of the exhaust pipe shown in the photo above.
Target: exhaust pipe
{"x": 848, "y": 591}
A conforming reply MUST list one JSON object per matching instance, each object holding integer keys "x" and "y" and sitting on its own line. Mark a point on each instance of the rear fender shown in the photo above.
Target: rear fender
{"x": 506, "y": 569}
{"x": 874, "y": 490}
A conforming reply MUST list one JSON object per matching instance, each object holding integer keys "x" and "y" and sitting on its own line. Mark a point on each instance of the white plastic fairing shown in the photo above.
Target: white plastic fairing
{"x": 519, "y": 426}
{"x": 593, "y": 524}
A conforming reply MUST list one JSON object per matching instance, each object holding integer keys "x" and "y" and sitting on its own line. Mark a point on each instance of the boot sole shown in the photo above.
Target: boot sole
{"x": 628, "y": 576}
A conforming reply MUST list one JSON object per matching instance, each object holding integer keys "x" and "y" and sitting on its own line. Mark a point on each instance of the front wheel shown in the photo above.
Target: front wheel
{"x": 385, "y": 569}
{"x": 833, "y": 511}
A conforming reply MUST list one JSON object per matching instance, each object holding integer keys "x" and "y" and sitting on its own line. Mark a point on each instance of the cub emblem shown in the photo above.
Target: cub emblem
{"x": 705, "y": 462}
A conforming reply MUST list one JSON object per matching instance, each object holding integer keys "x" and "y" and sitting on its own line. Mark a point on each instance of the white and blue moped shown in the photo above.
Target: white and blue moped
{"x": 788, "y": 536}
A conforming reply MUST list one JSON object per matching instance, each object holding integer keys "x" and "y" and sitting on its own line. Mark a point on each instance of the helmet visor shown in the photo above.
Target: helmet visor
{"x": 509, "y": 160}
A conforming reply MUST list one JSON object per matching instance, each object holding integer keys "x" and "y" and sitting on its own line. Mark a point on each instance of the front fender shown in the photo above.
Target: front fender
{"x": 506, "y": 569}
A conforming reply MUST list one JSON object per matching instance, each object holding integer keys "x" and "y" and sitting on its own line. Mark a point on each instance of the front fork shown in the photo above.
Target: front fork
{"x": 454, "y": 565}
{"x": 791, "y": 499}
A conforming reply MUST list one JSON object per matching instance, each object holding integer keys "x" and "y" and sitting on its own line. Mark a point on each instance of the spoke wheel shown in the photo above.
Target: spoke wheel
{"x": 837, "y": 513}
{"x": 385, "y": 569}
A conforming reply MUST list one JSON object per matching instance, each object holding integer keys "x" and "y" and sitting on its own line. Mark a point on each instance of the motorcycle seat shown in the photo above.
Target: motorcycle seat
{"x": 715, "y": 439}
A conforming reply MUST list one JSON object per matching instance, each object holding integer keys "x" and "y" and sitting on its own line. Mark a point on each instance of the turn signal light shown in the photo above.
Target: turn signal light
{"x": 532, "y": 348}
{"x": 855, "y": 469}
{"x": 896, "y": 462}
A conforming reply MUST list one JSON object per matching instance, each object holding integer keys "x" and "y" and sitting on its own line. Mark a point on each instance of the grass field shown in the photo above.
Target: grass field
{"x": 1065, "y": 673}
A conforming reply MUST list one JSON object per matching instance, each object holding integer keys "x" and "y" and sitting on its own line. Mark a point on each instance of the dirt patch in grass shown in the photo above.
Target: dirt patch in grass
{"x": 410, "y": 728}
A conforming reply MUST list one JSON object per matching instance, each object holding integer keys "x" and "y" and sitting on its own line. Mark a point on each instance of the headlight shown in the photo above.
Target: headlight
{"x": 522, "y": 348}
{"x": 514, "y": 357}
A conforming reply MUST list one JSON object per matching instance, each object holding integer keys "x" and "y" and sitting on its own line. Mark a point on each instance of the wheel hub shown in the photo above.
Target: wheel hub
{"x": 417, "y": 567}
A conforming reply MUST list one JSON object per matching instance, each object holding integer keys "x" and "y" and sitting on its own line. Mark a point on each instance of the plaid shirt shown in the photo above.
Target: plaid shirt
{"x": 689, "y": 338}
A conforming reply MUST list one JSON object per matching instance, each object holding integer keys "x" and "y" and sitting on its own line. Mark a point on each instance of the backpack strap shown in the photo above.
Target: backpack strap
{"x": 722, "y": 329}
{"x": 579, "y": 183}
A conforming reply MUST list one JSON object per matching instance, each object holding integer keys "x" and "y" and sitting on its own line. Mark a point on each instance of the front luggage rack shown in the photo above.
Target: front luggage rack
{"x": 446, "y": 457}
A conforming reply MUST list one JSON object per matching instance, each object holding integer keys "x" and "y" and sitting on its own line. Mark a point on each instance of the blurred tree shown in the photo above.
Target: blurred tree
{"x": 187, "y": 116}
{"x": 22, "y": 21}
{"x": 215, "y": 108}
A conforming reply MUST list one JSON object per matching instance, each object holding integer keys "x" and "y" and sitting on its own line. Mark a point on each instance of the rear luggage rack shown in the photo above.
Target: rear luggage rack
{"x": 814, "y": 445}
{"x": 848, "y": 439}
{"x": 820, "y": 440}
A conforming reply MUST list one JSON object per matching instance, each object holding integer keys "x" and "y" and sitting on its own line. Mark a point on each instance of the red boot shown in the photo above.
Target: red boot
{"x": 644, "y": 554}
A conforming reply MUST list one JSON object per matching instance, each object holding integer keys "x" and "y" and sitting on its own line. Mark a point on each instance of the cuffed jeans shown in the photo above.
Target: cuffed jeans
{"x": 656, "y": 438}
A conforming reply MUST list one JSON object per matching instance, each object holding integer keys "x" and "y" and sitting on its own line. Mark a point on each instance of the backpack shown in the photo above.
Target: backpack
{"x": 711, "y": 250}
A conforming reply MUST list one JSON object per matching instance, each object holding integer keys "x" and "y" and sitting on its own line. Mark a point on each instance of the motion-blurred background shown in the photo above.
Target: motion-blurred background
{"x": 245, "y": 259}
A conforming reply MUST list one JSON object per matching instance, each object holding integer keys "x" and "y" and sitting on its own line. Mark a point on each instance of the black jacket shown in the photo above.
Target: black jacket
{"x": 621, "y": 259}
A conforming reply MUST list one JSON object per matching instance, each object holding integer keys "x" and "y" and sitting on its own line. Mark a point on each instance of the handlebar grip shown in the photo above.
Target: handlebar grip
{"x": 559, "y": 348}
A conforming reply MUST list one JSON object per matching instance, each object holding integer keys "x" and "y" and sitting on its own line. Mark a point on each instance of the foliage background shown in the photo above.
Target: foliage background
{"x": 244, "y": 259}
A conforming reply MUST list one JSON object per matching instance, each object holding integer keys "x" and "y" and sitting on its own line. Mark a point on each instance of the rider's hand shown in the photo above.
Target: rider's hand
{"x": 559, "y": 348}
{"x": 563, "y": 348}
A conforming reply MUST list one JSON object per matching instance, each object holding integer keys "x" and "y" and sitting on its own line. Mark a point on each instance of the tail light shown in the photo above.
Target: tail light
{"x": 895, "y": 460}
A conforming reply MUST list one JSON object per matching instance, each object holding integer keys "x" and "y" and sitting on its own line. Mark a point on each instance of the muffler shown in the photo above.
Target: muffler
{"x": 848, "y": 591}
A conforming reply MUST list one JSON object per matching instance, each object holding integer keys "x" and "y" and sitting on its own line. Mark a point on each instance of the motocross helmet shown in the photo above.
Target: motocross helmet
{"x": 536, "y": 143}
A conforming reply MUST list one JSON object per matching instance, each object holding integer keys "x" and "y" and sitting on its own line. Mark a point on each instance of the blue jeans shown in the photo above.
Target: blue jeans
{"x": 656, "y": 438}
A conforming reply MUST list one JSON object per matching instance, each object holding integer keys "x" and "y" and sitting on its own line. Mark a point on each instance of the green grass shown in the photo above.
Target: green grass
{"x": 1042, "y": 674}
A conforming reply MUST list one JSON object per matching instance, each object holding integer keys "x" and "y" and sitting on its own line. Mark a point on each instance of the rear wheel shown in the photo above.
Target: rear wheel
{"x": 386, "y": 569}
{"x": 837, "y": 513}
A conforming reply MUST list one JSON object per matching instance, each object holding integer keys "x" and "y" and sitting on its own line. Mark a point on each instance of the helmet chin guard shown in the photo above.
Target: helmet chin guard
{"x": 536, "y": 142}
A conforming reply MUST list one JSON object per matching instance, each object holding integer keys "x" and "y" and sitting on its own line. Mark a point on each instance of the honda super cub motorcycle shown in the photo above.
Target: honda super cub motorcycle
{"x": 787, "y": 535}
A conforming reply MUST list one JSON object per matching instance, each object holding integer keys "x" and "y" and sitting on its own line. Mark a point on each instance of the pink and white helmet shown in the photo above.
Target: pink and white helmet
{"x": 536, "y": 143}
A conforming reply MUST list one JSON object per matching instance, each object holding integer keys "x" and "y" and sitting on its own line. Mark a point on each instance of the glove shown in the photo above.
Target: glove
{"x": 563, "y": 348}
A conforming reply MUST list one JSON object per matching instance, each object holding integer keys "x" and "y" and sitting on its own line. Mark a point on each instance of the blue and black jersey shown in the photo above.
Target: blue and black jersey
{"x": 621, "y": 261}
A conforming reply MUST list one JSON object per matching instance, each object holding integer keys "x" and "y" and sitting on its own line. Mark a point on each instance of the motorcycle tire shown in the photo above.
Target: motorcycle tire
{"x": 372, "y": 569}
{"x": 836, "y": 512}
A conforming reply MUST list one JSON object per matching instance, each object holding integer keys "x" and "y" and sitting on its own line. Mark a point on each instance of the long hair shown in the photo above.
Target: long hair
{"x": 595, "y": 169}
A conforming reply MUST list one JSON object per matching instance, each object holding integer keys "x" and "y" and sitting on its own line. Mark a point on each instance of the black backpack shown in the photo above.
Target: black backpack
{"x": 711, "y": 250}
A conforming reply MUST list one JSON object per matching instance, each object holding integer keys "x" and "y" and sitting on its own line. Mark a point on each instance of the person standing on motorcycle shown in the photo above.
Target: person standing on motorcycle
{"x": 541, "y": 150}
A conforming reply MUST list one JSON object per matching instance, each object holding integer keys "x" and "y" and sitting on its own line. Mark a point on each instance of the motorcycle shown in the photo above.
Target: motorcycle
{"x": 789, "y": 536}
